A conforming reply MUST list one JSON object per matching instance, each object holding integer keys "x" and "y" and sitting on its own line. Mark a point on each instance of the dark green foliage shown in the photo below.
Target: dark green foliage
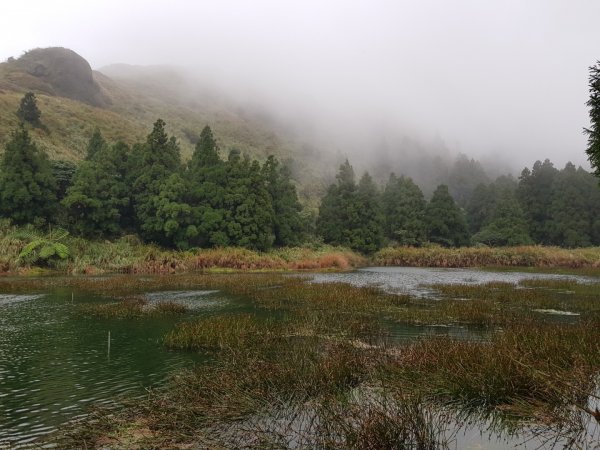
{"x": 593, "y": 133}
{"x": 336, "y": 211}
{"x": 445, "y": 221}
{"x": 95, "y": 145}
{"x": 206, "y": 176}
{"x": 98, "y": 202}
{"x": 484, "y": 201}
{"x": 575, "y": 208}
{"x": 27, "y": 185}
{"x": 535, "y": 194}
{"x": 211, "y": 202}
{"x": 42, "y": 249}
{"x": 173, "y": 218}
{"x": 367, "y": 230}
{"x": 404, "y": 210}
{"x": 206, "y": 153}
{"x": 63, "y": 172}
{"x": 288, "y": 225}
{"x": 352, "y": 215}
{"x": 247, "y": 205}
{"x": 28, "y": 110}
{"x": 506, "y": 225}
{"x": 480, "y": 208}
{"x": 154, "y": 161}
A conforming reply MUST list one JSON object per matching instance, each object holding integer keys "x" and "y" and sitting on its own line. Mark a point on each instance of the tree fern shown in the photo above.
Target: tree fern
{"x": 45, "y": 249}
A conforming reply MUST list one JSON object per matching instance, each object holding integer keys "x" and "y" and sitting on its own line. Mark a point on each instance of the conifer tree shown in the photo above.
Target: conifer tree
{"x": 593, "y": 133}
{"x": 206, "y": 152}
{"x": 95, "y": 145}
{"x": 288, "y": 225}
{"x": 445, "y": 221}
{"x": 247, "y": 203}
{"x": 506, "y": 225}
{"x": 98, "y": 202}
{"x": 535, "y": 195}
{"x": 28, "y": 110}
{"x": 404, "y": 208}
{"x": 464, "y": 177}
{"x": 206, "y": 179}
{"x": 27, "y": 185}
{"x": 366, "y": 232}
{"x": 336, "y": 213}
{"x": 174, "y": 220}
{"x": 484, "y": 201}
{"x": 63, "y": 172}
{"x": 574, "y": 208}
{"x": 154, "y": 161}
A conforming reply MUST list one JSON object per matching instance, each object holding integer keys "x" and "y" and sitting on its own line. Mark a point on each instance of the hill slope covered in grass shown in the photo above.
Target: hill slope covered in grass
{"x": 123, "y": 103}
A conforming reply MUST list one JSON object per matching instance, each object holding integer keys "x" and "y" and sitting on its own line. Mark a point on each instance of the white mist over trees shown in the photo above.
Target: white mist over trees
{"x": 503, "y": 80}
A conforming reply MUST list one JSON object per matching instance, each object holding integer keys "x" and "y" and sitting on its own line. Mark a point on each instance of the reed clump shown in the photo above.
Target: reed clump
{"x": 499, "y": 304}
{"x": 133, "y": 308}
{"x": 524, "y": 256}
{"x": 525, "y": 370}
{"x": 221, "y": 333}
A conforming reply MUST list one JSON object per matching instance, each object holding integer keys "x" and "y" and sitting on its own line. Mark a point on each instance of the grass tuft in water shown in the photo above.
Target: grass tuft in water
{"x": 133, "y": 308}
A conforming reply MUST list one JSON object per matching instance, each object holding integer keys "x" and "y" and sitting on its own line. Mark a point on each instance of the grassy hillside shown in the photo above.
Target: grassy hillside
{"x": 129, "y": 106}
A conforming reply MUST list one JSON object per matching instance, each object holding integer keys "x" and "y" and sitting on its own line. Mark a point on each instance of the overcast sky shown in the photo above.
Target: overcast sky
{"x": 486, "y": 77}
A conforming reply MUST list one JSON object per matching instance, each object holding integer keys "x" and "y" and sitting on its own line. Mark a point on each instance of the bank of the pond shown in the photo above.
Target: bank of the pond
{"x": 26, "y": 250}
{"x": 317, "y": 368}
{"x": 128, "y": 255}
{"x": 525, "y": 256}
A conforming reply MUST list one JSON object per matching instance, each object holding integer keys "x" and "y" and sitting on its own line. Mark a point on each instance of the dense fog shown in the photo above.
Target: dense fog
{"x": 378, "y": 81}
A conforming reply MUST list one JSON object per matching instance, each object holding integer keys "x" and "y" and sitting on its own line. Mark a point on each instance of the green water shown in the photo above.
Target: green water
{"x": 55, "y": 361}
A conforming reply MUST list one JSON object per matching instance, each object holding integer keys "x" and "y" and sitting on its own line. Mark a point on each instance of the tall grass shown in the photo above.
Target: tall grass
{"x": 533, "y": 370}
{"x": 133, "y": 308}
{"x": 129, "y": 255}
{"x": 525, "y": 256}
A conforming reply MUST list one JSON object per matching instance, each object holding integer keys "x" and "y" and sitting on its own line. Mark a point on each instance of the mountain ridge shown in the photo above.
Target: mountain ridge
{"x": 125, "y": 105}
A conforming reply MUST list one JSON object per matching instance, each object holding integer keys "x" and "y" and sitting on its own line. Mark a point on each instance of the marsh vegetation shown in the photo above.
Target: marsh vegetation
{"x": 320, "y": 365}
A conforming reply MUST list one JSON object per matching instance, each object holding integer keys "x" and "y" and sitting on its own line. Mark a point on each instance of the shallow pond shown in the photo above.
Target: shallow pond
{"x": 56, "y": 361}
{"x": 417, "y": 281}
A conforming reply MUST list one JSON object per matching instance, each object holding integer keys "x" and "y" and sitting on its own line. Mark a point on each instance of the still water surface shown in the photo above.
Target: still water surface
{"x": 55, "y": 361}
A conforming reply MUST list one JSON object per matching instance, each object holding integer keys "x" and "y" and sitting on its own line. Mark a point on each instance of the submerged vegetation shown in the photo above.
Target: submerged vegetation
{"x": 323, "y": 368}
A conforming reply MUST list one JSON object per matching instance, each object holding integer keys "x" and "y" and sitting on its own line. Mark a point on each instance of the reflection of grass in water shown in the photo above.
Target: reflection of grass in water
{"x": 322, "y": 375}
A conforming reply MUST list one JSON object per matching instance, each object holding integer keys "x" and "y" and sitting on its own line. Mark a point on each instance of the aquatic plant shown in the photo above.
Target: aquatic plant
{"x": 133, "y": 308}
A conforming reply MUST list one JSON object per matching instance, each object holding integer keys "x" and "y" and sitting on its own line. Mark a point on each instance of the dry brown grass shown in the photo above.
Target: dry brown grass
{"x": 526, "y": 256}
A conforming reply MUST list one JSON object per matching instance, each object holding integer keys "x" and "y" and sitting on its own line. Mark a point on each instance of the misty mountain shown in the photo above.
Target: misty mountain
{"x": 123, "y": 101}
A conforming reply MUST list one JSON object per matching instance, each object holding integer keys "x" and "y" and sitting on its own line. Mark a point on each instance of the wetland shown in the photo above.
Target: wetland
{"x": 375, "y": 358}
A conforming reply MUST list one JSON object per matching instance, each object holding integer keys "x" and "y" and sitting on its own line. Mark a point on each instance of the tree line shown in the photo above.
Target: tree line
{"x": 147, "y": 190}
